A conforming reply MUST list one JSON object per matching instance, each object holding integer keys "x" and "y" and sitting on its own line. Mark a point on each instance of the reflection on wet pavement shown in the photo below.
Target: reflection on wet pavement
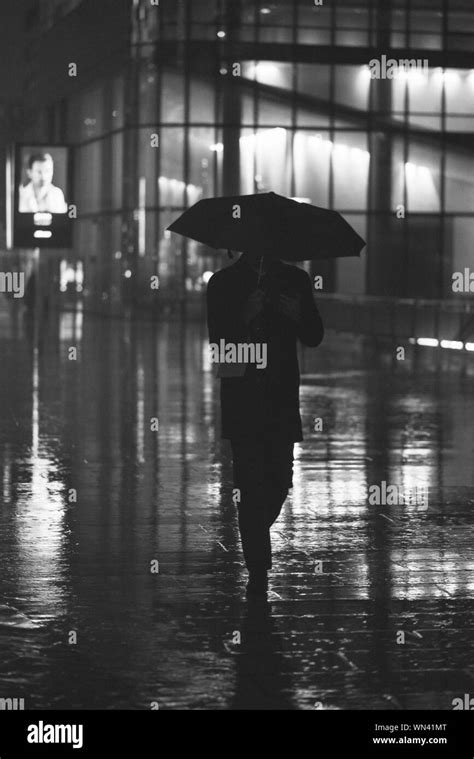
{"x": 122, "y": 578}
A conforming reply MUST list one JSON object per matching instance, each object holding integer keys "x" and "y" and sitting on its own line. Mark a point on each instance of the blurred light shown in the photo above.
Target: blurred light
{"x": 270, "y": 73}
{"x": 206, "y": 276}
{"x": 43, "y": 219}
{"x": 448, "y": 77}
{"x": 365, "y": 72}
{"x": 429, "y": 341}
{"x": 414, "y": 76}
{"x": 218, "y": 147}
{"x": 167, "y": 234}
{"x": 42, "y": 234}
{"x": 127, "y": 274}
{"x": 221, "y": 34}
{"x": 265, "y": 11}
{"x": 118, "y": 254}
{"x": 456, "y": 345}
{"x": 469, "y": 346}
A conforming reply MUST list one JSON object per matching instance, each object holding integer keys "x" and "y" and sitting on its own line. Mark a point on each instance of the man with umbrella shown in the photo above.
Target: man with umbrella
{"x": 262, "y": 300}
{"x": 259, "y": 299}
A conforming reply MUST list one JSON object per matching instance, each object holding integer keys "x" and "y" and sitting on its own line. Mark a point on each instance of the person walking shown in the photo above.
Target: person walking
{"x": 262, "y": 300}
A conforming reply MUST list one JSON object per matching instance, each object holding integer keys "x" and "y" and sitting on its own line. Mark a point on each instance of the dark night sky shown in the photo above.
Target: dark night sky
{"x": 11, "y": 47}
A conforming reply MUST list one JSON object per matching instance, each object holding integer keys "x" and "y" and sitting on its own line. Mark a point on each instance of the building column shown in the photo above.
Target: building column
{"x": 381, "y": 266}
{"x": 232, "y": 103}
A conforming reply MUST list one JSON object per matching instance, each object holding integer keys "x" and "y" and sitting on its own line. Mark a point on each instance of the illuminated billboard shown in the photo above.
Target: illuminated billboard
{"x": 41, "y": 212}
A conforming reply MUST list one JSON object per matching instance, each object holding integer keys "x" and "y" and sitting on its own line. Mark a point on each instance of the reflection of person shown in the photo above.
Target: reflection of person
{"x": 260, "y": 410}
{"x": 40, "y": 194}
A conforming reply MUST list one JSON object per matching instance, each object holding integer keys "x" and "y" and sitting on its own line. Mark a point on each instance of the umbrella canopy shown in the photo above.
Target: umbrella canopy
{"x": 279, "y": 226}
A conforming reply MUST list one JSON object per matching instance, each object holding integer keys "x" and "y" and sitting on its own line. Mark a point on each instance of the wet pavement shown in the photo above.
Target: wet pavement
{"x": 122, "y": 581}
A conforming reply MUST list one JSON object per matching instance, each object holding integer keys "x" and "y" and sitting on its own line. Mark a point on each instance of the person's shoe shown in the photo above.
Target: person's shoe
{"x": 257, "y": 584}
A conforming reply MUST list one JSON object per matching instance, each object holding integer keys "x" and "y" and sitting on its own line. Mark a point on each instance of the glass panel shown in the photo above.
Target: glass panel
{"x": 352, "y": 18}
{"x": 351, "y": 271}
{"x": 148, "y": 166}
{"x": 425, "y": 122}
{"x": 204, "y": 155}
{"x": 314, "y": 24}
{"x": 202, "y": 100}
{"x": 172, "y": 97}
{"x": 117, "y": 115}
{"x": 247, "y": 161}
{"x": 273, "y": 160}
{"x": 423, "y": 179}
{"x": 277, "y": 24}
{"x": 312, "y": 158}
{"x": 116, "y": 170}
{"x": 89, "y": 177}
{"x": 272, "y": 73}
{"x": 265, "y": 157}
{"x": 172, "y": 189}
{"x": 350, "y": 161}
{"x": 426, "y": 41}
{"x": 461, "y": 232}
{"x": 459, "y": 182}
{"x": 313, "y": 80}
{"x": 460, "y": 42}
{"x": 273, "y": 113}
{"x": 352, "y": 86}
{"x": 149, "y": 93}
{"x": 459, "y": 86}
{"x": 461, "y": 21}
{"x": 351, "y": 37}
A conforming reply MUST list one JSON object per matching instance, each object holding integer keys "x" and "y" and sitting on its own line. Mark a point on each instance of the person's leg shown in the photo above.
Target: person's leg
{"x": 249, "y": 478}
{"x": 278, "y": 476}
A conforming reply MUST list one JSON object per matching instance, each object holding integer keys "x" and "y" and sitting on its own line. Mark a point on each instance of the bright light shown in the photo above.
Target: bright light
{"x": 365, "y": 73}
{"x": 127, "y": 274}
{"x": 415, "y": 170}
{"x": 456, "y": 345}
{"x": 318, "y": 140}
{"x": 448, "y": 77}
{"x": 267, "y": 73}
{"x": 429, "y": 341}
{"x": 206, "y": 276}
{"x": 218, "y": 147}
{"x": 412, "y": 75}
{"x": 42, "y": 234}
{"x": 341, "y": 151}
{"x": 43, "y": 219}
{"x": 265, "y": 11}
{"x": 221, "y": 34}
{"x": 469, "y": 346}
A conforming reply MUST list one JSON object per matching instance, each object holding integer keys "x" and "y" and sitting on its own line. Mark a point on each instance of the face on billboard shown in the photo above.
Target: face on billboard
{"x": 43, "y": 179}
{"x": 41, "y": 196}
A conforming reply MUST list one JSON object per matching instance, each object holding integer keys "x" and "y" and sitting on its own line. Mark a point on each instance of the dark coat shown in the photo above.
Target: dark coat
{"x": 263, "y": 401}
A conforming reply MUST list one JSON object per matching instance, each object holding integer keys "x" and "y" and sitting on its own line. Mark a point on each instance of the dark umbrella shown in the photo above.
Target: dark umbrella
{"x": 281, "y": 227}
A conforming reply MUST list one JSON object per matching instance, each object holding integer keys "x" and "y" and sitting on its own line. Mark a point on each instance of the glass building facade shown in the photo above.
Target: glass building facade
{"x": 240, "y": 96}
